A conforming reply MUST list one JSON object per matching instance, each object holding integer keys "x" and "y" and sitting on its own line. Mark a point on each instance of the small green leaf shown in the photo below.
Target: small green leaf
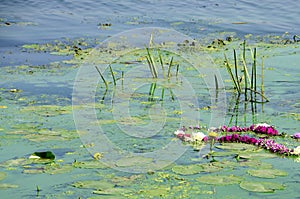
{"x": 43, "y": 155}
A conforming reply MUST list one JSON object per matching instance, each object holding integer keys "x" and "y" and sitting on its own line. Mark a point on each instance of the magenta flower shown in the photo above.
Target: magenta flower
{"x": 296, "y": 135}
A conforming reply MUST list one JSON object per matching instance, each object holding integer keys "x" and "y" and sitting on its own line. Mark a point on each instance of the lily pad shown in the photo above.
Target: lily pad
{"x": 265, "y": 187}
{"x": 93, "y": 184}
{"x": 133, "y": 161}
{"x": 187, "y": 169}
{"x": 48, "y": 110}
{"x": 8, "y": 186}
{"x": 256, "y": 164}
{"x": 256, "y": 155}
{"x": 266, "y": 173}
{"x": 13, "y": 162}
{"x": 223, "y": 153}
{"x": 94, "y": 164}
{"x": 236, "y": 146}
{"x": 58, "y": 169}
{"x": 195, "y": 168}
{"x": 225, "y": 164}
{"x": 161, "y": 191}
{"x": 220, "y": 179}
{"x": 2, "y": 175}
{"x": 113, "y": 192}
{"x": 125, "y": 181}
{"x": 44, "y": 135}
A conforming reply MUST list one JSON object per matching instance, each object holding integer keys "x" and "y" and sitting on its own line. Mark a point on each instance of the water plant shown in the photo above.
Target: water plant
{"x": 249, "y": 85}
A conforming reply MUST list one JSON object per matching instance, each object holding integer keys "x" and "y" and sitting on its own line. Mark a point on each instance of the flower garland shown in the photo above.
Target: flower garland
{"x": 262, "y": 128}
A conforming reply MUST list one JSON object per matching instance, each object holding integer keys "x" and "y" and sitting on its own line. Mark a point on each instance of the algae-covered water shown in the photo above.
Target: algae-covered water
{"x": 117, "y": 141}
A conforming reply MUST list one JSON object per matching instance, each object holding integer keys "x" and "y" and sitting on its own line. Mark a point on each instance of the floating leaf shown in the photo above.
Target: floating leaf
{"x": 114, "y": 191}
{"x": 8, "y": 186}
{"x": 266, "y": 187}
{"x": 94, "y": 164}
{"x": 2, "y": 175}
{"x": 236, "y": 146}
{"x": 195, "y": 168}
{"x": 93, "y": 184}
{"x": 125, "y": 181}
{"x": 133, "y": 161}
{"x": 256, "y": 155}
{"x": 34, "y": 170}
{"x": 256, "y": 164}
{"x": 220, "y": 179}
{"x": 58, "y": 169}
{"x": 48, "y": 110}
{"x": 225, "y": 164}
{"x": 223, "y": 153}
{"x": 14, "y": 162}
{"x": 211, "y": 167}
{"x": 187, "y": 169}
{"x": 160, "y": 191}
{"x": 43, "y": 155}
{"x": 267, "y": 173}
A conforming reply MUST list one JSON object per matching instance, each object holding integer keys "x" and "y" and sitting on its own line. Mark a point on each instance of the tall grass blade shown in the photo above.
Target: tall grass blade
{"x": 151, "y": 63}
{"x": 262, "y": 82}
{"x": 113, "y": 75}
{"x": 236, "y": 72}
{"x": 105, "y": 82}
{"x": 162, "y": 94}
{"x": 169, "y": 69}
{"x": 150, "y": 67}
{"x": 177, "y": 70}
{"x": 231, "y": 74}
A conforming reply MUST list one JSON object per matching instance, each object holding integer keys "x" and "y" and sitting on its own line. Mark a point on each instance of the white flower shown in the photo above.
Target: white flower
{"x": 296, "y": 151}
{"x": 179, "y": 132}
{"x": 197, "y": 136}
{"x": 263, "y": 124}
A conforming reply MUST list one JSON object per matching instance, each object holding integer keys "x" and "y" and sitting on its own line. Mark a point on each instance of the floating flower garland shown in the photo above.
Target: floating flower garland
{"x": 261, "y": 128}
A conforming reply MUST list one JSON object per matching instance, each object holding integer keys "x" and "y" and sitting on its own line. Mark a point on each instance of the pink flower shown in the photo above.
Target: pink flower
{"x": 296, "y": 135}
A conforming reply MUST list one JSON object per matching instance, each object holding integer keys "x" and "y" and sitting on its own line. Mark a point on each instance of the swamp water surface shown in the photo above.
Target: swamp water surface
{"x": 37, "y": 82}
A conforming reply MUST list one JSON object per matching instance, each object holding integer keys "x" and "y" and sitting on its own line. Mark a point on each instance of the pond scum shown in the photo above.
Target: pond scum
{"x": 237, "y": 156}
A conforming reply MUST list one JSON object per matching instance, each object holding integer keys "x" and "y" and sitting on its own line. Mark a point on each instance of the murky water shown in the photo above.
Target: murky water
{"x": 36, "y": 95}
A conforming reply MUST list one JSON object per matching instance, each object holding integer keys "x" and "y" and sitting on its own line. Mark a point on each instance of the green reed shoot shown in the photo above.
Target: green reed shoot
{"x": 236, "y": 72}
{"x": 105, "y": 82}
{"x": 151, "y": 63}
{"x": 151, "y": 91}
{"x": 112, "y": 74}
{"x": 252, "y": 81}
{"x": 162, "y": 94}
{"x": 169, "y": 68}
{"x": 177, "y": 70}
{"x": 216, "y": 82}
{"x": 262, "y": 80}
{"x": 231, "y": 75}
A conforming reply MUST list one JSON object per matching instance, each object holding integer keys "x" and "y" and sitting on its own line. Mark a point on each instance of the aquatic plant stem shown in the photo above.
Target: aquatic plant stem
{"x": 112, "y": 74}
{"x": 230, "y": 73}
{"x": 151, "y": 63}
{"x": 236, "y": 72}
{"x": 169, "y": 69}
{"x": 105, "y": 82}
